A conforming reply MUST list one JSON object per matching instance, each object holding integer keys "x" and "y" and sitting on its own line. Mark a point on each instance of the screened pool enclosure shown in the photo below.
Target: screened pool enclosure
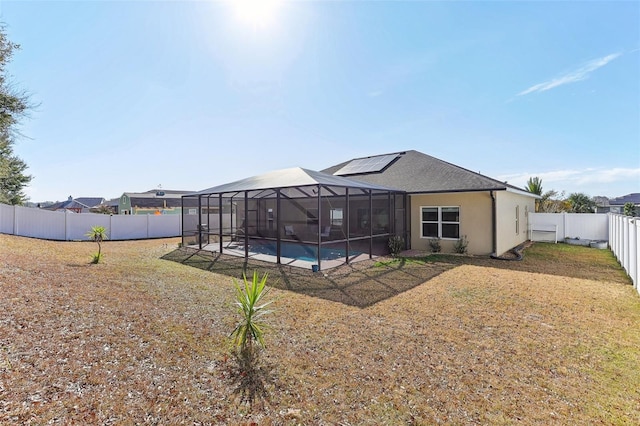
{"x": 295, "y": 216}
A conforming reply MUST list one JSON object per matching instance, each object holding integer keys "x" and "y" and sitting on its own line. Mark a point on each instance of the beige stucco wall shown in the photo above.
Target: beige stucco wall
{"x": 476, "y": 219}
{"x": 507, "y": 204}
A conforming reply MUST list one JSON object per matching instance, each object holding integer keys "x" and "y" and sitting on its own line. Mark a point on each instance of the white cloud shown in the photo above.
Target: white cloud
{"x": 573, "y": 76}
{"x": 580, "y": 180}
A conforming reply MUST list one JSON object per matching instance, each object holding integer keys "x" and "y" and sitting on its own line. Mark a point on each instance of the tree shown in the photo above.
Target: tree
{"x": 581, "y": 203}
{"x": 547, "y": 202}
{"x": 97, "y": 234}
{"x": 629, "y": 209}
{"x": 13, "y": 107}
{"x": 534, "y": 185}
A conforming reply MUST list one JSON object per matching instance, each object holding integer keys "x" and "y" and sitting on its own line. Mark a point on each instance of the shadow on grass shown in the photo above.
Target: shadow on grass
{"x": 250, "y": 376}
{"x": 360, "y": 284}
{"x": 368, "y": 282}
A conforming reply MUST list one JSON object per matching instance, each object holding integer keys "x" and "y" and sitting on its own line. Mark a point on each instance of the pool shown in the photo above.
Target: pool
{"x": 300, "y": 251}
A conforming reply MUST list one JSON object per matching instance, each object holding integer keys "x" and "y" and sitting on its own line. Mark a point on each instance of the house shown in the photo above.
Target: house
{"x": 616, "y": 205}
{"x": 77, "y": 205}
{"x": 448, "y": 202}
{"x": 154, "y": 201}
{"x": 355, "y": 207}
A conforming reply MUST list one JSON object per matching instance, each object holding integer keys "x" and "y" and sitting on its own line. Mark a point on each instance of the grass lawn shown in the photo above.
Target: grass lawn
{"x": 143, "y": 338}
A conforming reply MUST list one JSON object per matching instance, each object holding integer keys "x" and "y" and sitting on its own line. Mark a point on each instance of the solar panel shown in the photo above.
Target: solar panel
{"x": 366, "y": 165}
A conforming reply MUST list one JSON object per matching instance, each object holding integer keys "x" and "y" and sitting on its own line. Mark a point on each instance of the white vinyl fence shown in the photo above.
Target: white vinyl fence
{"x": 69, "y": 226}
{"x": 586, "y": 226}
{"x": 621, "y": 232}
{"x": 625, "y": 233}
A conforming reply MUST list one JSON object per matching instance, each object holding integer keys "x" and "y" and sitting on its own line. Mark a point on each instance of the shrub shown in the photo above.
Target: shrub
{"x": 434, "y": 245}
{"x": 396, "y": 245}
{"x": 629, "y": 209}
{"x": 250, "y": 329}
{"x": 249, "y": 375}
{"x": 460, "y": 246}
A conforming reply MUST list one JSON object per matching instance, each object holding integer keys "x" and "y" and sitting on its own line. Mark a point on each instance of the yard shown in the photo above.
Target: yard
{"x": 143, "y": 338}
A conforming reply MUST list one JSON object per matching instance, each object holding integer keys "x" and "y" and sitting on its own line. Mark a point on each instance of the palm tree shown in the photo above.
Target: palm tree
{"x": 97, "y": 234}
{"x": 251, "y": 307}
{"x": 534, "y": 185}
{"x": 581, "y": 203}
{"x": 629, "y": 209}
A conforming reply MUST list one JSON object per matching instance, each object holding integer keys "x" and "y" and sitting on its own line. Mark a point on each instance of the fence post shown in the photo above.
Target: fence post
{"x": 633, "y": 256}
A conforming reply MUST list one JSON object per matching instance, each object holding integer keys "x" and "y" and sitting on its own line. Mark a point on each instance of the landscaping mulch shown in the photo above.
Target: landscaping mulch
{"x": 143, "y": 338}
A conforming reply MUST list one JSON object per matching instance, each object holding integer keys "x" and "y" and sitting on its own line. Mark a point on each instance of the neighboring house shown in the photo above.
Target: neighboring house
{"x": 91, "y": 202}
{"x": 154, "y": 201}
{"x": 616, "y": 205}
{"x": 112, "y": 205}
{"x": 448, "y": 202}
{"x": 602, "y": 204}
{"x": 77, "y": 205}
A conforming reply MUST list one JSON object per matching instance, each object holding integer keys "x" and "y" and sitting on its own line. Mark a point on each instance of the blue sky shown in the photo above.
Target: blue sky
{"x": 187, "y": 95}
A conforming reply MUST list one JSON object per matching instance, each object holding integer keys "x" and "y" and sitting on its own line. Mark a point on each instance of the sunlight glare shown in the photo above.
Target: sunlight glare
{"x": 258, "y": 14}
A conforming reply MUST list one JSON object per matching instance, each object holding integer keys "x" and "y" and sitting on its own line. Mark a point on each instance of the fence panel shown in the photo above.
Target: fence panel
{"x": 7, "y": 219}
{"x": 582, "y": 225}
{"x": 129, "y": 227}
{"x": 165, "y": 225}
{"x": 78, "y": 224}
{"x": 45, "y": 224}
{"x": 38, "y": 223}
{"x": 586, "y": 226}
{"x": 624, "y": 234}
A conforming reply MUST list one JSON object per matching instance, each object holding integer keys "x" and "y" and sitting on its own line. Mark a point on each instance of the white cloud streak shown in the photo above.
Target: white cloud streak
{"x": 574, "y": 179}
{"x": 579, "y": 74}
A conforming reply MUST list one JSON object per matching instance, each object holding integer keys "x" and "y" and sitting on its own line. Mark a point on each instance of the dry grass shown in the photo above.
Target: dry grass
{"x": 140, "y": 339}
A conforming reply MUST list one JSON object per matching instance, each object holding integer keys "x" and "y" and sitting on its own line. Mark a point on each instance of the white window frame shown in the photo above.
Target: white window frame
{"x": 439, "y": 222}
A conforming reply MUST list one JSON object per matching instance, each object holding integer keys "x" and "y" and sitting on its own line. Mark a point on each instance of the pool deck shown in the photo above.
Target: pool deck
{"x": 237, "y": 249}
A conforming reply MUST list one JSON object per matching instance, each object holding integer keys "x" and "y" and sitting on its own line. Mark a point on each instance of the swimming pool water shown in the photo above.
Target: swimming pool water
{"x": 300, "y": 251}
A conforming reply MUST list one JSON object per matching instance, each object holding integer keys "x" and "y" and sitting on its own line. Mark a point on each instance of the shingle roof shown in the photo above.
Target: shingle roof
{"x": 286, "y": 178}
{"x": 90, "y": 201}
{"x": 629, "y": 198}
{"x": 415, "y": 172}
{"x": 68, "y": 204}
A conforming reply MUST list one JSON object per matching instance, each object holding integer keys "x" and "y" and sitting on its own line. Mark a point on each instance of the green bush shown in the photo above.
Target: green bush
{"x": 460, "y": 246}
{"x": 250, "y": 306}
{"x": 396, "y": 245}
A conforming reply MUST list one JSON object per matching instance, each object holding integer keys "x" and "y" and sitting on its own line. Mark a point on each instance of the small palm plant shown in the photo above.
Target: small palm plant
{"x": 97, "y": 234}
{"x": 250, "y": 375}
{"x": 252, "y": 309}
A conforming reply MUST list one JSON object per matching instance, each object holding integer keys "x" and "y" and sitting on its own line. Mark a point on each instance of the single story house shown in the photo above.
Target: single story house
{"x": 360, "y": 204}
{"x": 448, "y": 202}
{"x": 154, "y": 201}
{"x": 616, "y": 205}
{"x": 77, "y": 205}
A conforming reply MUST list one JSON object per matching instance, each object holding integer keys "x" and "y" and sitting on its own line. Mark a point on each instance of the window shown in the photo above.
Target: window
{"x": 336, "y": 216}
{"x": 440, "y": 222}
